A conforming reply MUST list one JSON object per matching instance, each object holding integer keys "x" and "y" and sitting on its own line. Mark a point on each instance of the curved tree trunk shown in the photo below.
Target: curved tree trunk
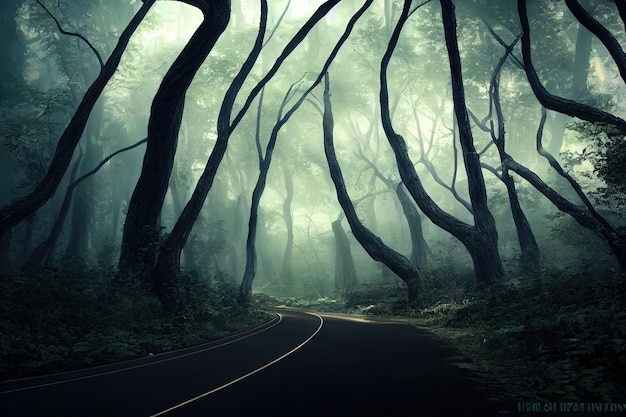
{"x": 245, "y": 289}
{"x": 550, "y": 101}
{"x": 372, "y": 244}
{"x": 530, "y": 256}
{"x": 616, "y": 239}
{"x": 169, "y": 259}
{"x": 165, "y": 274}
{"x": 139, "y": 248}
{"x": 602, "y": 33}
{"x": 24, "y": 207}
{"x": 480, "y": 240}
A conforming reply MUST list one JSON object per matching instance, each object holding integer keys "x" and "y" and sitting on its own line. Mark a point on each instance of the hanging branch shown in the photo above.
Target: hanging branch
{"x": 553, "y": 102}
{"x": 78, "y": 35}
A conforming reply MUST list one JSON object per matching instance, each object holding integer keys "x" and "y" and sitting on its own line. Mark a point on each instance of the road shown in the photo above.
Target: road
{"x": 301, "y": 364}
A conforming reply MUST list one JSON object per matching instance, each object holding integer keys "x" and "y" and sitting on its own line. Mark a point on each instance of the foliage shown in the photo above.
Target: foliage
{"x": 58, "y": 320}
{"x": 552, "y": 336}
{"x": 607, "y": 152}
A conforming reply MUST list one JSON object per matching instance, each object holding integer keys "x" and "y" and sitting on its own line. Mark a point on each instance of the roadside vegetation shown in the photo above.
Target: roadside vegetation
{"x": 553, "y": 336}
{"x": 77, "y": 317}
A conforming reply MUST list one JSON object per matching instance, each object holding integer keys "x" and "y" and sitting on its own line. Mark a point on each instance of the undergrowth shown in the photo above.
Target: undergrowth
{"x": 54, "y": 321}
{"x": 550, "y": 337}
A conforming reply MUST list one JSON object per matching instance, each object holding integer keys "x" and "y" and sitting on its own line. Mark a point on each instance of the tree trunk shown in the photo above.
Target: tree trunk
{"x": 245, "y": 289}
{"x": 602, "y": 33}
{"x": 529, "y": 249}
{"x": 481, "y": 240}
{"x": 345, "y": 271}
{"x": 24, "y": 207}
{"x": 46, "y": 248}
{"x": 615, "y": 238}
{"x": 418, "y": 243}
{"x": 178, "y": 237}
{"x": 287, "y": 279}
{"x": 550, "y": 101}
{"x": 139, "y": 249}
{"x": 372, "y": 244}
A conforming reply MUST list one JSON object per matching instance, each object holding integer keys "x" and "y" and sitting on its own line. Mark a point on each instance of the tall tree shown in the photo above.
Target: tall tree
{"x": 245, "y": 289}
{"x": 372, "y": 244}
{"x": 480, "y": 239}
{"x": 139, "y": 249}
{"x": 25, "y": 206}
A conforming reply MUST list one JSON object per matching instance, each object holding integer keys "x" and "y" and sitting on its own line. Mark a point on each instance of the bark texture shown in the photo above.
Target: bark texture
{"x": 139, "y": 245}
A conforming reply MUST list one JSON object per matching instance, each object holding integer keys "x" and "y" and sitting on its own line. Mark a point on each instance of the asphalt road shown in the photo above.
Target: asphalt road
{"x": 301, "y": 364}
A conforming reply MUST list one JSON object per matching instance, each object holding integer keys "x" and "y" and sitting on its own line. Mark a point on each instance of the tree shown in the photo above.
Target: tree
{"x": 139, "y": 246}
{"x": 345, "y": 271}
{"x": 372, "y": 244}
{"x": 586, "y": 215}
{"x": 480, "y": 240}
{"x": 23, "y": 207}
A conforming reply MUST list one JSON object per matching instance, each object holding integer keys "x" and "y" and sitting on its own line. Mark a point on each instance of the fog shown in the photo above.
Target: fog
{"x": 299, "y": 258}
{"x": 172, "y": 171}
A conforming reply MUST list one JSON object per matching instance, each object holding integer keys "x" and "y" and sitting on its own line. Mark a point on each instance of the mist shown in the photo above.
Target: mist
{"x": 402, "y": 158}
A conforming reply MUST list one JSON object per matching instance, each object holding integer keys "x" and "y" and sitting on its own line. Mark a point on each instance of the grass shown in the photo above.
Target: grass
{"x": 552, "y": 337}
{"x": 55, "y": 321}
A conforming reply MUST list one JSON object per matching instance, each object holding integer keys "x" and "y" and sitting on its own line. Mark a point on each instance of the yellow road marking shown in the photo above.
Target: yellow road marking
{"x": 234, "y": 381}
{"x": 280, "y": 318}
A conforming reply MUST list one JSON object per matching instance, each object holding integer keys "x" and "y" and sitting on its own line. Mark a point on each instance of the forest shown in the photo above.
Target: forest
{"x": 171, "y": 169}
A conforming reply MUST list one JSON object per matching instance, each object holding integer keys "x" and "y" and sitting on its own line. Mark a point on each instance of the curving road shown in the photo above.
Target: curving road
{"x": 300, "y": 364}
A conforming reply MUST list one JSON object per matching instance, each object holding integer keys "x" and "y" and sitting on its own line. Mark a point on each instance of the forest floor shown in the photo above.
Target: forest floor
{"x": 554, "y": 337}
{"x": 79, "y": 317}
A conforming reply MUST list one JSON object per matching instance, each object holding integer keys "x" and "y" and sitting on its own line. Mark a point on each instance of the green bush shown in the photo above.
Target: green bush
{"x": 59, "y": 320}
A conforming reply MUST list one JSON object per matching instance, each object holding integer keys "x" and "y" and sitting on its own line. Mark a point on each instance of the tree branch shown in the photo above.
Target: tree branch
{"x": 78, "y": 35}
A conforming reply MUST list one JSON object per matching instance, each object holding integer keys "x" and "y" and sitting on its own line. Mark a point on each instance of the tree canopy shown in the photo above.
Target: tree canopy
{"x": 488, "y": 136}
